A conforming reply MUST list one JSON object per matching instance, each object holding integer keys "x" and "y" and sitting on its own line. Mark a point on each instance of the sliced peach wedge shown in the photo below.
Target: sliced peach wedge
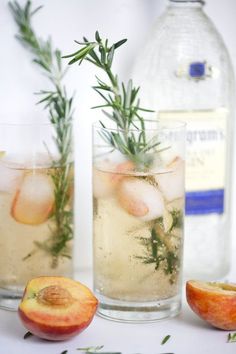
{"x": 56, "y": 308}
{"x": 213, "y": 302}
{"x": 34, "y": 200}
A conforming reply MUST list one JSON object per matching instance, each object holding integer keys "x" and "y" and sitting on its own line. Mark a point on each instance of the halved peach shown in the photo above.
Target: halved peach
{"x": 213, "y": 302}
{"x": 56, "y": 308}
{"x": 140, "y": 199}
{"x": 34, "y": 200}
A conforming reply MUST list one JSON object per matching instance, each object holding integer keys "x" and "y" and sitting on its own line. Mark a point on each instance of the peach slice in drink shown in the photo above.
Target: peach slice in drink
{"x": 34, "y": 200}
{"x": 140, "y": 199}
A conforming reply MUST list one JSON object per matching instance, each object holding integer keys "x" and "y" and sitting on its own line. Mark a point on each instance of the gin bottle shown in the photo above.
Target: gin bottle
{"x": 185, "y": 73}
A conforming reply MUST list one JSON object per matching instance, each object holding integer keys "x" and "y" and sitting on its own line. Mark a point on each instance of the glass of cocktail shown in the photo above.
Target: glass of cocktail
{"x": 138, "y": 220}
{"x": 36, "y": 206}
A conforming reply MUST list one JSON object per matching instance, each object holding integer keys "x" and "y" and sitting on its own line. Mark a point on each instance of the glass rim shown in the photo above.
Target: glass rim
{"x": 178, "y": 125}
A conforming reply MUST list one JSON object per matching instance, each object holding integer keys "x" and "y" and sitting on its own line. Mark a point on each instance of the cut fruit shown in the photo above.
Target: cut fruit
{"x": 106, "y": 180}
{"x": 171, "y": 183}
{"x": 56, "y": 308}
{"x": 140, "y": 199}
{"x": 213, "y": 302}
{"x": 34, "y": 200}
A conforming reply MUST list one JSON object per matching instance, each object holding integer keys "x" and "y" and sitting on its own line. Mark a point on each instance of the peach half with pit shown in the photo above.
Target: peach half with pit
{"x": 213, "y": 302}
{"x": 56, "y": 308}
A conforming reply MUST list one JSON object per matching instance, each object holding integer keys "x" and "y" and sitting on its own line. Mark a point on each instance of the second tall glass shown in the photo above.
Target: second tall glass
{"x": 138, "y": 222}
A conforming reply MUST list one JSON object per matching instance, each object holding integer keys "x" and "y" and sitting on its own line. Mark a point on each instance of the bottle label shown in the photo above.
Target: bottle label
{"x": 196, "y": 71}
{"x": 205, "y": 158}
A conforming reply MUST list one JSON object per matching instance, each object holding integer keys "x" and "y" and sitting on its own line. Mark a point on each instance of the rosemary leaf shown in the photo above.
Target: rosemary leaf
{"x": 231, "y": 337}
{"x": 27, "y": 335}
{"x": 91, "y": 349}
{"x": 165, "y": 339}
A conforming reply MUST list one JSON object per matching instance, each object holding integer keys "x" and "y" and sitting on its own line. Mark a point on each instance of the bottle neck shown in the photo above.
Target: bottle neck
{"x": 187, "y": 3}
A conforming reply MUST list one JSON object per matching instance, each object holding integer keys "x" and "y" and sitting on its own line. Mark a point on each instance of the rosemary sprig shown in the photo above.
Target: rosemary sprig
{"x": 60, "y": 110}
{"x": 121, "y": 100}
{"x": 160, "y": 250}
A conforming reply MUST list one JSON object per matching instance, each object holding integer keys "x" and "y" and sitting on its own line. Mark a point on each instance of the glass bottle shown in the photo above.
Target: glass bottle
{"x": 185, "y": 73}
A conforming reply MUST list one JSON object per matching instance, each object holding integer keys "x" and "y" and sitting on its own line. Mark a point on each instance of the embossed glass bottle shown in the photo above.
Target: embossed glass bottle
{"x": 185, "y": 73}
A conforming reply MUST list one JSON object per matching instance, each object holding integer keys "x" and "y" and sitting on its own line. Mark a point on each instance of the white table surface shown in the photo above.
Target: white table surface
{"x": 189, "y": 335}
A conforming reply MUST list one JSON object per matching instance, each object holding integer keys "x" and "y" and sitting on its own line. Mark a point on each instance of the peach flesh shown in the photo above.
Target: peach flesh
{"x": 213, "y": 302}
{"x": 56, "y": 308}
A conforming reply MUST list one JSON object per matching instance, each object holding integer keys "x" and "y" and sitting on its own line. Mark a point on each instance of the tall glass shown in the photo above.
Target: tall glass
{"x": 36, "y": 207}
{"x": 138, "y": 223}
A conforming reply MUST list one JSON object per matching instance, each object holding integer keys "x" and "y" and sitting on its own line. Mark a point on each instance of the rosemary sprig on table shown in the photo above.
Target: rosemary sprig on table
{"x": 59, "y": 106}
{"x": 231, "y": 337}
{"x": 89, "y": 349}
{"x": 165, "y": 339}
{"x": 121, "y": 101}
{"x": 27, "y": 335}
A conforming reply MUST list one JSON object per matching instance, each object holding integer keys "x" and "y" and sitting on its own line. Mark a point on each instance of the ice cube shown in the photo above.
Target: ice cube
{"x": 108, "y": 176}
{"x": 34, "y": 200}
{"x": 140, "y": 199}
{"x": 171, "y": 183}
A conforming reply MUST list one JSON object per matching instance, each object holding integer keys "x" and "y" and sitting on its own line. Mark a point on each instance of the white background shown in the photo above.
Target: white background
{"x": 66, "y": 20}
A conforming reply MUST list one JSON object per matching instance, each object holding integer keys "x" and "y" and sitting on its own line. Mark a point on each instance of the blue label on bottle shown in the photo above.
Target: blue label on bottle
{"x": 197, "y": 70}
{"x": 205, "y": 202}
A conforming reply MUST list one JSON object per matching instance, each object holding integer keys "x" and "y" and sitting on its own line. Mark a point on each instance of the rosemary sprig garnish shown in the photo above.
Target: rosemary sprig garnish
{"x": 121, "y": 100}
{"x": 159, "y": 249}
{"x": 59, "y": 106}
